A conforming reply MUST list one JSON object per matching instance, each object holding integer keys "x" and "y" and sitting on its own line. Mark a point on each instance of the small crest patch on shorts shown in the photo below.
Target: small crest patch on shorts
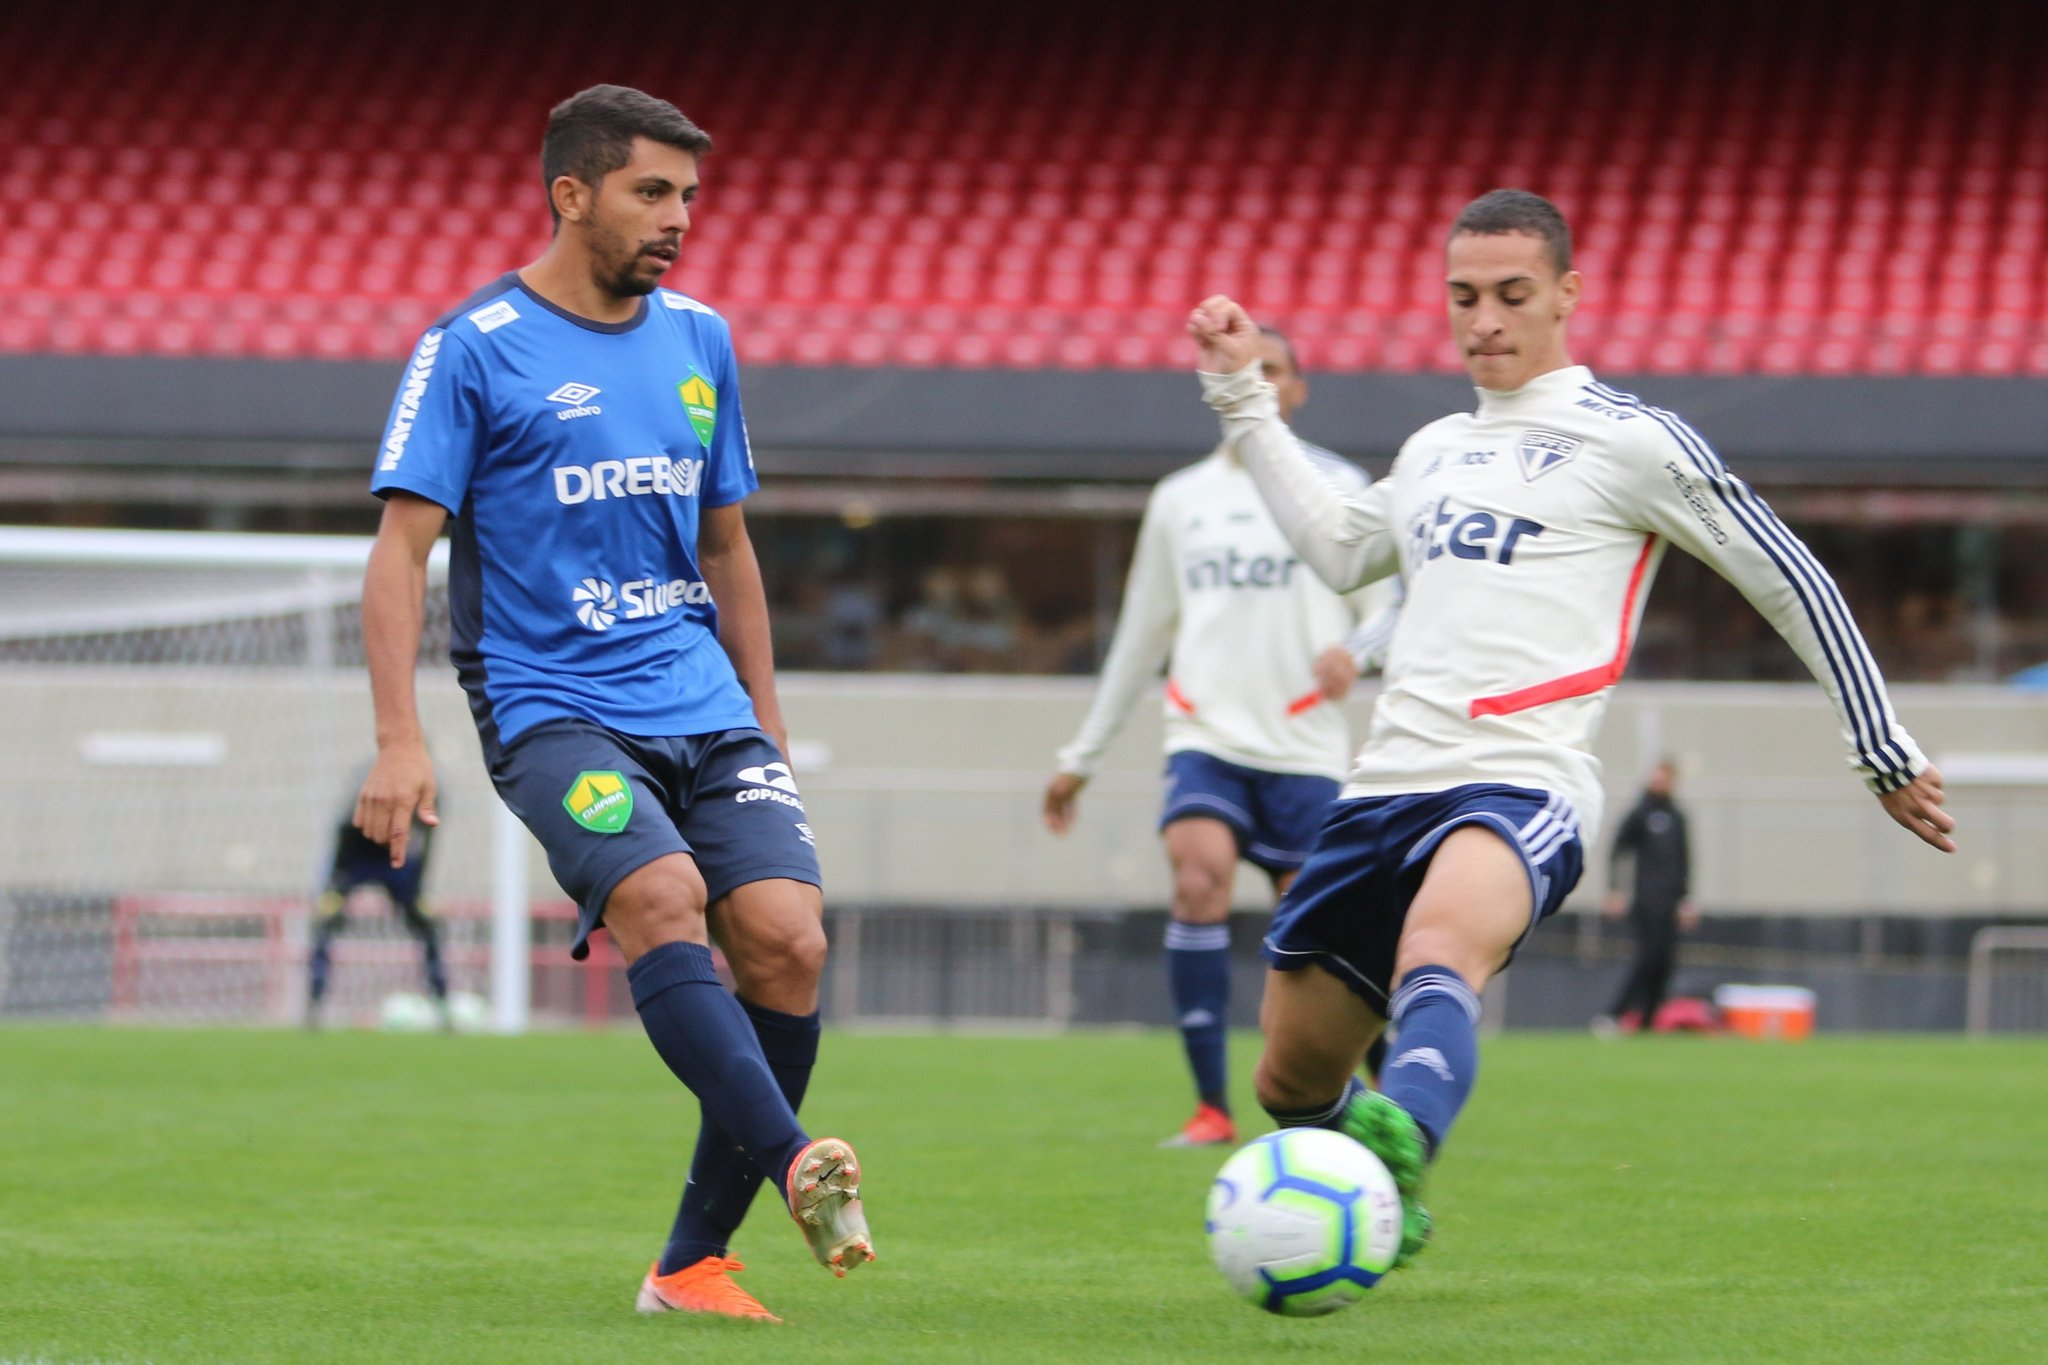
{"x": 600, "y": 802}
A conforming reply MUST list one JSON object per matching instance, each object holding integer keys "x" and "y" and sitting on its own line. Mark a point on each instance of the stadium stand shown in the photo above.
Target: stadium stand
{"x": 1757, "y": 188}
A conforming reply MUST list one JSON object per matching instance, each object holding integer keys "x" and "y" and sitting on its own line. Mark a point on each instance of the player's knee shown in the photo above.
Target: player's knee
{"x": 1201, "y": 891}
{"x": 662, "y": 902}
{"x": 1447, "y": 946}
{"x": 1283, "y": 1087}
{"x": 797, "y": 952}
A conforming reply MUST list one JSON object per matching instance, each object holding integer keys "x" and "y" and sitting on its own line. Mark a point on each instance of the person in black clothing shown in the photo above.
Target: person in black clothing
{"x": 1653, "y": 837}
{"x": 358, "y": 862}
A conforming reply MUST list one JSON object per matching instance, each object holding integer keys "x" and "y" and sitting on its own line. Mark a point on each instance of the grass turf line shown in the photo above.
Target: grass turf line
{"x": 254, "y": 1196}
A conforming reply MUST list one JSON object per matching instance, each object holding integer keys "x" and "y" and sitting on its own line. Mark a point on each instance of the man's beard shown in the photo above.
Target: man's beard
{"x": 621, "y": 277}
{"x": 627, "y": 284}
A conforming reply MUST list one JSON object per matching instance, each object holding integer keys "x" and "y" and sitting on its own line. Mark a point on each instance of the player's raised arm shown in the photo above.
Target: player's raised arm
{"x": 1345, "y": 537}
{"x": 401, "y": 781}
{"x": 1681, "y": 490}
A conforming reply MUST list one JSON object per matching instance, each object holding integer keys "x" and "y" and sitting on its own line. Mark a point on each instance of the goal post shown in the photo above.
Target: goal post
{"x": 2008, "y": 984}
{"x": 181, "y": 714}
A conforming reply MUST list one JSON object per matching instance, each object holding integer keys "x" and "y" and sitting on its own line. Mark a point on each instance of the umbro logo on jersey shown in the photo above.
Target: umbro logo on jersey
{"x": 1543, "y": 451}
{"x": 769, "y": 782}
{"x": 596, "y": 604}
{"x": 578, "y": 397}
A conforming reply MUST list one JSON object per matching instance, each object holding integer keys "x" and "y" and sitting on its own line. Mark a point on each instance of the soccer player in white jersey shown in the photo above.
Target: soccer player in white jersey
{"x": 1526, "y": 533}
{"x": 1260, "y": 653}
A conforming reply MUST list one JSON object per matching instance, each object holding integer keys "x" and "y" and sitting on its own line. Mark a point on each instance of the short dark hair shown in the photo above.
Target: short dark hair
{"x": 1293, "y": 360}
{"x": 590, "y": 134}
{"x": 1499, "y": 212}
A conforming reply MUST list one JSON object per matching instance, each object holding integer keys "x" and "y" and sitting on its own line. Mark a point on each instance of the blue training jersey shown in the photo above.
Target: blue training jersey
{"x": 574, "y": 457}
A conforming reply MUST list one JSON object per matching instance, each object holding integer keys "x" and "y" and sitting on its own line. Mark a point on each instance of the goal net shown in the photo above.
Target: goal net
{"x": 182, "y": 720}
{"x": 2008, "y": 990}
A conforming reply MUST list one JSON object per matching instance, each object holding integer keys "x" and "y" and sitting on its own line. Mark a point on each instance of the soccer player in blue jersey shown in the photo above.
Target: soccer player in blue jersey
{"x": 582, "y": 429}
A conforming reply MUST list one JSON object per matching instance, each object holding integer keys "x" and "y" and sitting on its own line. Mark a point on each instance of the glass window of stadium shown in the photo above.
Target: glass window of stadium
{"x": 1944, "y": 589}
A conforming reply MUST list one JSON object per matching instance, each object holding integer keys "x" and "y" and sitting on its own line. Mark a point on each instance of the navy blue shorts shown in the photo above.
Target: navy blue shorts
{"x": 1346, "y": 909}
{"x": 1273, "y": 815}
{"x": 402, "y": 884}
{"x": 604, "y": 804}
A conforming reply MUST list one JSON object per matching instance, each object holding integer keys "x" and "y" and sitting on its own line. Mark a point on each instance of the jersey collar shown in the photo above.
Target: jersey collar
{"x": 1541, "y": 389}
{"x": 587, "y": 324}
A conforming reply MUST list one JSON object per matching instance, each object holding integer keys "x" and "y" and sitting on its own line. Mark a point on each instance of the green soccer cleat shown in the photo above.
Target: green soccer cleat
{"x": 1390, "y": 1133}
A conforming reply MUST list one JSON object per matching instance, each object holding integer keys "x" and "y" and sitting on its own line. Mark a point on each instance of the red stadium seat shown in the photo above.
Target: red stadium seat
{"x": 1727, "y": 220}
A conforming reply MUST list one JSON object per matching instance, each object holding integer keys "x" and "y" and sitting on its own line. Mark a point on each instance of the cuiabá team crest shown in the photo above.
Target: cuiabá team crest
{"x": 700, "y": 400}
{"x": 600, "y": 802}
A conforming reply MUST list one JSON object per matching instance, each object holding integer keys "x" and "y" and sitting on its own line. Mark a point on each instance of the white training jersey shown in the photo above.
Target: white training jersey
{"x": 1215, "y": 589}
{"x": 1527, "y": 534}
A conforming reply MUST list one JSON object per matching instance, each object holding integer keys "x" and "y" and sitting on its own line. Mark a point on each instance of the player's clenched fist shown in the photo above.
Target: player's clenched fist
{"x": 1225, "y": 332}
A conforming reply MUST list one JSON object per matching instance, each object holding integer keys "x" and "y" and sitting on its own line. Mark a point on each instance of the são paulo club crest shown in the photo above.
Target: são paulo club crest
{"x": 1542, "y": 451}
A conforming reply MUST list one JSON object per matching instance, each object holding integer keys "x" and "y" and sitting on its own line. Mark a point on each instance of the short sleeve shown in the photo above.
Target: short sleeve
{"x": 729, "y": 470}
{"x": 436, "y": 425}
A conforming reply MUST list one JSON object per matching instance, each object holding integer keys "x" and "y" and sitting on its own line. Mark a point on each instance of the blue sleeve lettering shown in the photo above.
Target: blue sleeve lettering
{"x": 436, "y": 425}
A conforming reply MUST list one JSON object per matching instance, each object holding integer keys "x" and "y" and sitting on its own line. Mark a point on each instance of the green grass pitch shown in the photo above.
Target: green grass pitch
{"x": 263, "y": 1196}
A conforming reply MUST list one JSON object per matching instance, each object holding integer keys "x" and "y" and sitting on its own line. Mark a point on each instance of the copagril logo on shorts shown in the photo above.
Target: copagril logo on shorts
{"x": 769, "y": 782}
{"x": 600, "y": 802}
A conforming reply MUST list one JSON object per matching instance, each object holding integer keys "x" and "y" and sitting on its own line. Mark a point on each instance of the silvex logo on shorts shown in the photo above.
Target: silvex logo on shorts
{"x": 770, "y": 782}
{"x": 700, "y": 401}
{"x": 600, "y": 802}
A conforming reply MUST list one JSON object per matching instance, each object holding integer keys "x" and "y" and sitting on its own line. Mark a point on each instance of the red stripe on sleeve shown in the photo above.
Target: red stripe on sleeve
{"x": 1178, "y": 698}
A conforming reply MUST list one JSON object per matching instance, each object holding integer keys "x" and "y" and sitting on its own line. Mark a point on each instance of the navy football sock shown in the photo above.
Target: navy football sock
{"x": 320, "y": 964}
{"x": 430, "y": 951}
{"x": 704, "y": 1035}
{"x": 1198, "y": 972}
{"x": 722, "y": 1181}
{"x": 1436, "y": 1057}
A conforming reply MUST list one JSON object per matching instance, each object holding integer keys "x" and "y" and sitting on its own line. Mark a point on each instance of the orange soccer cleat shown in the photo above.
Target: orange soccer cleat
{"x": 703, "y": 1287}
{"x": 1210, "y": 1127}
{"x": 823, "y": 1187}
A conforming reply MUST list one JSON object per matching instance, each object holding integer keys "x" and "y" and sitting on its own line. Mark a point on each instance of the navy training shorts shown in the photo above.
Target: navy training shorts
{"x": 1274, "y": 815}
{"x": 604, "y": 804}
{"x": 1346, "y": 910}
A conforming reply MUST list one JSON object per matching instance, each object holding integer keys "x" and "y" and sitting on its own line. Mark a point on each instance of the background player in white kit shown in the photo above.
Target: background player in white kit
{"x": 1526, "y": 534}
{"x": 1260, "y": 652}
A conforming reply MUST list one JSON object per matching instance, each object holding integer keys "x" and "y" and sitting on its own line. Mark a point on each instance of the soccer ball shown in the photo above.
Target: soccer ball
{"x": 407, "y": 1012}
{"x": 1303, "y": 1221}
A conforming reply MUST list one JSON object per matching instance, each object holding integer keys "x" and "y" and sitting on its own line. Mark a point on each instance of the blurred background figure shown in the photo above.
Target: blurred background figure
{"x": 1652, "y": 840}
{"x": 359, "y": 865}
{"x": 1258, "y": 652}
